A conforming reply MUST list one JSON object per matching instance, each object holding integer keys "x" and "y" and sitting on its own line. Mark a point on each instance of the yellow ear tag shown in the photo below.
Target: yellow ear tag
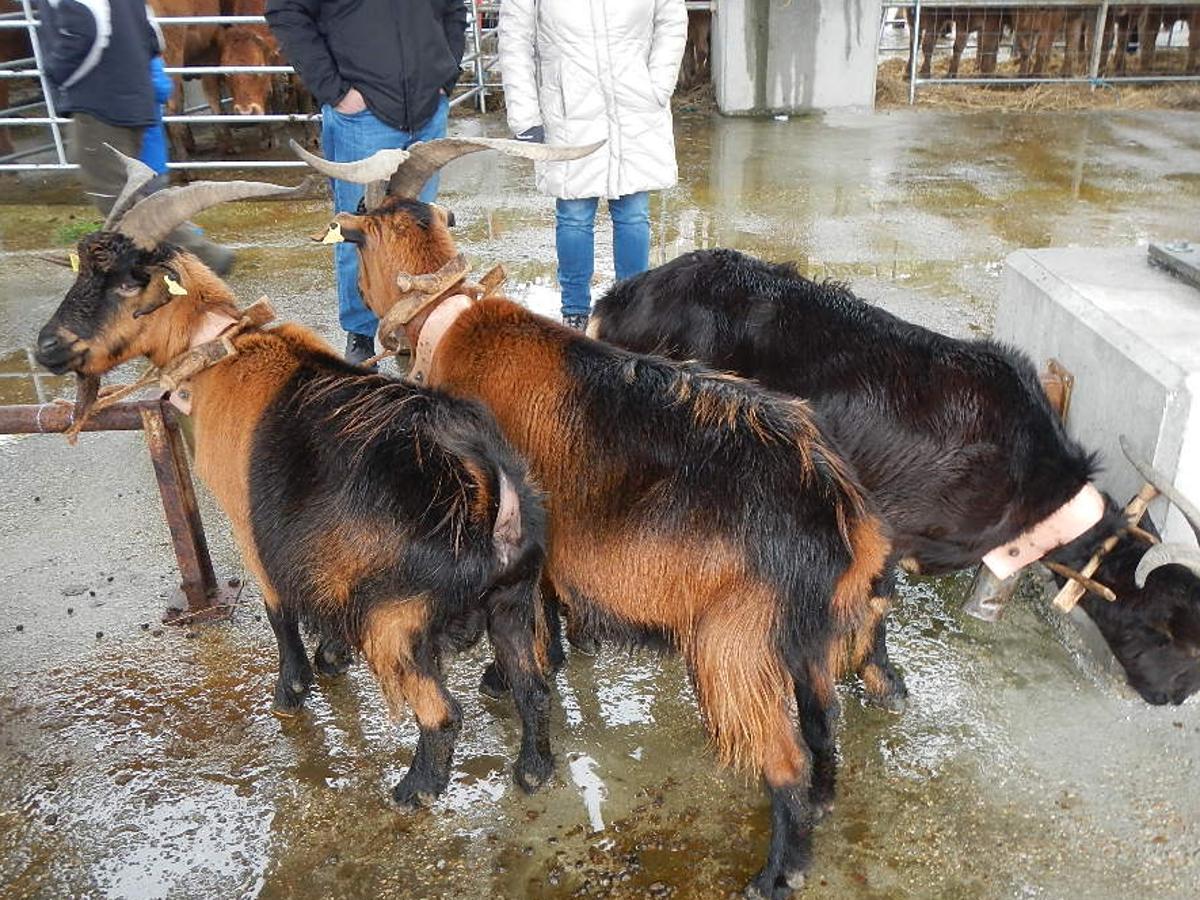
{"x": 334, "y": 234}
{"x": 174, "y": 288}
{"x": 74, "y": 258}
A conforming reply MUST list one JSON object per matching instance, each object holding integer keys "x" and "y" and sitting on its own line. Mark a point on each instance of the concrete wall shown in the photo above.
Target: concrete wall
{"x": 798, "y": 56}
{"x": 1130, "y": 333}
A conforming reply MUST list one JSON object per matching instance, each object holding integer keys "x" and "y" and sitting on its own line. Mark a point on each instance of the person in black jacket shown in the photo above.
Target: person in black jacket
{"x": 382, "y": 71}
{"x": 97, "y": 55}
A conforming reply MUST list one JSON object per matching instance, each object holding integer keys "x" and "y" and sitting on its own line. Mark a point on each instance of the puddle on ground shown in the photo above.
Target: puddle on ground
{"x": 137, "y": 761}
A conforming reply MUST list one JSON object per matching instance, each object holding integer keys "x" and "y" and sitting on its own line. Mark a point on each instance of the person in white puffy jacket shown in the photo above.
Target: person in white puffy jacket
{"x": 578, "y": 71}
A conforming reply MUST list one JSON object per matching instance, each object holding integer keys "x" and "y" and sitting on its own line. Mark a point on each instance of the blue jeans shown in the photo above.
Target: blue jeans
{"x": 346, "y": 139}
{"x": 574, "y": 239}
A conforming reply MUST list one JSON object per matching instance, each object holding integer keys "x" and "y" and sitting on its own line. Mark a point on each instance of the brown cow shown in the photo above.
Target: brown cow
{"x": 940, "y": 22}
{"x": 14, "y": 45}
{"x": 1035, "y": 31}
{"x": 193, "y": 45}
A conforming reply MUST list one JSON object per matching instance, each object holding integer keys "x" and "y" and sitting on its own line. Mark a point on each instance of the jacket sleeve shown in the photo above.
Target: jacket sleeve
{"x": 454, "y": 21}
{"x": 163, "y": 85}
{"x": 666, "y": 46}
{"x": 518, "y": 62}
{"x": 74, "y": 36}
{"x": 294, "y": 24}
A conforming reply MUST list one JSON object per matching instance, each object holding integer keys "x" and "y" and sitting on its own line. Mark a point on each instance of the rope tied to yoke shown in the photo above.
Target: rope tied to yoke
{"x": 174, "y": 376}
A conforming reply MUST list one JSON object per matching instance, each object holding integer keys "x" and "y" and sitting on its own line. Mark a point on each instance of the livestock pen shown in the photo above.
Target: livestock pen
{"x": 1023, "y": 43}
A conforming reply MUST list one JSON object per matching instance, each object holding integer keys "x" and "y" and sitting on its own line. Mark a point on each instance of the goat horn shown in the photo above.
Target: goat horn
{"x": 156, "y": 216}
{"x": 378, "y": 167}
{"x": 426, "y": 158}
{"x": 1164, "y": 555}
{"x": 1164, "y": 486}
{"x": 137, "y": 176}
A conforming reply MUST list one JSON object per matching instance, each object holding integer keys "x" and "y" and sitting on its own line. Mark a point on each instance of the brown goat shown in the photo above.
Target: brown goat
{"x": 686, "y": 509}
{"x": 391, "y": 517}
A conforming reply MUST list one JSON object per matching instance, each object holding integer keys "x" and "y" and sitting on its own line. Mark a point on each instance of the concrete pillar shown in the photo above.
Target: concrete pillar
{"x": 1130, "y": 333}
{"x": 772, "y": 56}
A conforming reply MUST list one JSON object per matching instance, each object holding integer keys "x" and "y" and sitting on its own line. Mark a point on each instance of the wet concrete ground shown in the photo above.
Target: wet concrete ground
{"x": 137, "y": 761}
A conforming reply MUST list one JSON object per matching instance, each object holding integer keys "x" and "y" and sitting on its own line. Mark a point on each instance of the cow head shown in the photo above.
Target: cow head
{"x": 244, "y": 45}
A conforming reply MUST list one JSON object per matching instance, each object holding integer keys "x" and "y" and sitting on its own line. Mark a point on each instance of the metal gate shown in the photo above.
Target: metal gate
{"x": 1086, "y": 31}
{"x": 479, "y": 63}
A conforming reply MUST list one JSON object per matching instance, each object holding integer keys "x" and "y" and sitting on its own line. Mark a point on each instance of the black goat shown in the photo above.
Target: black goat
{"x": 955, "y": 440}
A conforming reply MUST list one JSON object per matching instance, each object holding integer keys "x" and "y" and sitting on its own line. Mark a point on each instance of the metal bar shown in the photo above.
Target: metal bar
{"x": 59, "y": 149}
{"x": 1098, "y": 41}
{"x": 482, "y": 88}
{"x": 167, "y": 453}
{"x": 914, "y": 41}
{"x": 55, "y": 418}
{"x": 228, "y": 70}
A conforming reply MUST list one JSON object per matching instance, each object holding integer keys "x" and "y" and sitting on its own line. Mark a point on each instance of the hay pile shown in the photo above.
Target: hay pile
{"x": 891, "y": 90}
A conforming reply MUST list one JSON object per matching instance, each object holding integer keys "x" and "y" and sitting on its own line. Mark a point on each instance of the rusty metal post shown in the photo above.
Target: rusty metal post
{"x": 202, "y": 596}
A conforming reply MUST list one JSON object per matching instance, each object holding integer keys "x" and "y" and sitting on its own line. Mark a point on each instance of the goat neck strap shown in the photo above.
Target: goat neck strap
{"x": 443, "y": 316}
{"x": 1062, "y": 526}
{"x": 211, "y": 343}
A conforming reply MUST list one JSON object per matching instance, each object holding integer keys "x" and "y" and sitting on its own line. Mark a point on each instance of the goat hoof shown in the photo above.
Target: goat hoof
{"x": 584, "y": 643}
{"x": 331, "y": 661}
{"x": 767, "y": 885}
{"x": 411, "y": 796}
{"x": 893, "y": 701}
{"x": 493, "y": 683}
{"x": 533, "y": 773}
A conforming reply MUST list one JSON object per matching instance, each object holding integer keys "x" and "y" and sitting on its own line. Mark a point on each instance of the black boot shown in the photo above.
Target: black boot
{"x": 359, "y": 348}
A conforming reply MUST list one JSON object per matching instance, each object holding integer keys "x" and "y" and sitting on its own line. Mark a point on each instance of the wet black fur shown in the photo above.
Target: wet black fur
{"x": 340, "y": 449}
{"x": 954, "y": 439}
{"x": 739, "y": 475}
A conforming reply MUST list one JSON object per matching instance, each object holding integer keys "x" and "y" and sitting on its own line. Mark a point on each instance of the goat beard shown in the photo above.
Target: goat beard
{"x": 87, "y": 389}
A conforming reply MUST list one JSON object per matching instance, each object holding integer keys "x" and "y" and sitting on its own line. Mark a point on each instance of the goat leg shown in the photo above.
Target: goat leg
{"x": 510, "y": 609}
{"x": 295, "y": 674}
{"x": 885, "y": 687}
{"x": 791, "y": 844}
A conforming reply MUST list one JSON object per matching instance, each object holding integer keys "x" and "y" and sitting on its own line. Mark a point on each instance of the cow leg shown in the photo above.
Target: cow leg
{"x": 1193, "y": 57}
{"x": 961, "y": 33}
{"x": 929, "y": 38}
{"x": 212, "y": 93}
{"x": 989, "y": 44}
{"x": 1148, "y": 27}
{"x": 295, "y": 674}
{"x": 512, "y": 624}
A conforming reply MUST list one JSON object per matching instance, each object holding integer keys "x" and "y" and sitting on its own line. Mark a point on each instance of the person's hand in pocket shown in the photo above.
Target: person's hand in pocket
{"x": 352, "y": 103}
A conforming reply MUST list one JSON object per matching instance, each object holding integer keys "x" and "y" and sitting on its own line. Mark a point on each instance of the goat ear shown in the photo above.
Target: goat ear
{"x": 170, "y": 290}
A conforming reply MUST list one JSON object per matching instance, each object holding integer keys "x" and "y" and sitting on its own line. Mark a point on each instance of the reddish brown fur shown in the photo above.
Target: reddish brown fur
{"x": 393, "y": 241}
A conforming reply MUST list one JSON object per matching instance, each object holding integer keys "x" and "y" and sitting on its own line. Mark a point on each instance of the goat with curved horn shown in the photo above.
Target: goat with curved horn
{"x": 1165, "y": 554}
{"x": 137, "y": 176}
{"x": 425, "y": 159}
{"x": 154, "y": 217}
{"x": 377, "y": 167}
{"x": 407, "y": 171}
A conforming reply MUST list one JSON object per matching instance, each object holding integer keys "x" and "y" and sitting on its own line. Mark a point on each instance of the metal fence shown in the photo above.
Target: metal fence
{"x": 480, "y": 80}
{"x": 1025, "y": 42}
